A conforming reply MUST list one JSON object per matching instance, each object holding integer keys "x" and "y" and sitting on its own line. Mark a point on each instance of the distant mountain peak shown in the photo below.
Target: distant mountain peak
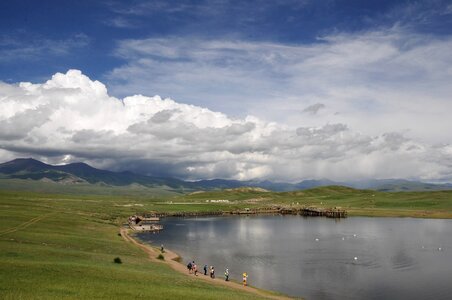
{"x": 22, "y": 164}
{"x": 80, "y": 172}
{"x": 28, "y": 160}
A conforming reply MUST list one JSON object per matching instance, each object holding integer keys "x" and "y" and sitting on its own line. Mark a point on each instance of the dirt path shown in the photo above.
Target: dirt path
{"x": 170, "y": 259}
{"x": 25, "y": 224}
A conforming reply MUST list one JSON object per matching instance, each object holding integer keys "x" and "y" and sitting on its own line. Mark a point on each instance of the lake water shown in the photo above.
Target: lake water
{"x": 320, "y": 258}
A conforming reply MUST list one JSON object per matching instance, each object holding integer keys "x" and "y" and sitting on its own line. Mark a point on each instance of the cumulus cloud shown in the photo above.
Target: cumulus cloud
{"x": 73, "y": 118}
{"x": 375, "y": 81}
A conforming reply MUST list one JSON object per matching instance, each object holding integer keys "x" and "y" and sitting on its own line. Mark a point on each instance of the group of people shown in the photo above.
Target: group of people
{"x": 193, "y": 269}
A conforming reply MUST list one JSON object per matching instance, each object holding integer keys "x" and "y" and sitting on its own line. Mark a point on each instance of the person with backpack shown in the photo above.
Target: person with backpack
{"x": 205, "y": 270}
{"x": 189, "y": 267}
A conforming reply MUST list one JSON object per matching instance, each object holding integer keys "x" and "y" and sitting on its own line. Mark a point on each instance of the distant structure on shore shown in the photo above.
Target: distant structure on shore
{"x": 144, "y": 223}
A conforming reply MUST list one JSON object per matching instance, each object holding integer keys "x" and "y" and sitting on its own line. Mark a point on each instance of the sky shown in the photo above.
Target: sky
{"x": 281, "y": 90}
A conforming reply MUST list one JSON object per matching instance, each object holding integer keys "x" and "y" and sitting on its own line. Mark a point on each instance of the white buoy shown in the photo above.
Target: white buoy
{"x": 316, "y": 240}
{"x": 355, "y": 258}
{"x": 354, "y": 235}
{"x": 439, "y": 249}
{"x": 343, "y": 238}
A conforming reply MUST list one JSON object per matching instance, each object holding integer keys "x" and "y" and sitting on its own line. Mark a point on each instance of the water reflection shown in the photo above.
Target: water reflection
{"x": 319, "y": 258}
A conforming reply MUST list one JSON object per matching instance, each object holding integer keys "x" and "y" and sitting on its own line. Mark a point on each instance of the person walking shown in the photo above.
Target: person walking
{"x": 205, "y": 270}
{"x": 212, "y": 272}
{"x": 195, "y": 269}
{"x": 226, "y": 275}
{"x": 189, "y": 267}
{"x": 245, "y": 278}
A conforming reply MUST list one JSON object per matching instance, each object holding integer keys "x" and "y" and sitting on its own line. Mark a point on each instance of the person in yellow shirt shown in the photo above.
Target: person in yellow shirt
{"x": 245, "y": 277}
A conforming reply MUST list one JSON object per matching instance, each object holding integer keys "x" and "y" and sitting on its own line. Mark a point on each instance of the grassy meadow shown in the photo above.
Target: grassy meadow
{"x": 435, "y": 204}
{"x": 63, "y": 247}
{"x": 62, "y": 244}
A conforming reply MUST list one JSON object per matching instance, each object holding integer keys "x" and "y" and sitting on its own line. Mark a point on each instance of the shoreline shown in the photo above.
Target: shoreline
{"x": 170, "y": 260}
{"x": 399, "y": 213}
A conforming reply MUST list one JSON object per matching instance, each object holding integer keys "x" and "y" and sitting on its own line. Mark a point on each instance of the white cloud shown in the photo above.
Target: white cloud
{"x": 71, "y": 117}
{"x": 375, "y": 82}
{"x": 17, "y": 47}
{"x": 120, "y": 22}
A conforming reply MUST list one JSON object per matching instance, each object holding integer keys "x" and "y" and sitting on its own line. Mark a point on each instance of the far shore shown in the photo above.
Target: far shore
{"x": 398, "y": 213}
{"x": 349, "y": 212}
{"x": 171, "y": 259}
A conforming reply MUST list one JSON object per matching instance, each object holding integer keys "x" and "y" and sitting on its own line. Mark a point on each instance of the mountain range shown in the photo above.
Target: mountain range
{"x": 81, "y": 173}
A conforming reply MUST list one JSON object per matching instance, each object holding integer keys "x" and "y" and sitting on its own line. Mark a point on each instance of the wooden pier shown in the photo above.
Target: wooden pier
{"x": 303, "y": 211}
{"x": 189, "y": 214}
{"x": 320, "y": 212}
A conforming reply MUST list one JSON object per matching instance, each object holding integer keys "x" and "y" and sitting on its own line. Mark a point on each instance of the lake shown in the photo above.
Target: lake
{"x": 321, "y": 258}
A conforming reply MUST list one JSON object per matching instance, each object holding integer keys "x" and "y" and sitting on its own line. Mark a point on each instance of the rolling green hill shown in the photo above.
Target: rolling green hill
{"x": 77, "y": 173}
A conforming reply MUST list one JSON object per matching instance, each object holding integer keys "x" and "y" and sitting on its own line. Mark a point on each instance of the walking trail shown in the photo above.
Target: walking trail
{"x": 25, "y": 224}
{"x": 171, "y": 257}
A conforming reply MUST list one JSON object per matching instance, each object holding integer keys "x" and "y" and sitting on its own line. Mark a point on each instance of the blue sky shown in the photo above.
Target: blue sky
{"x": 305, "y": 89}
{"x": 84, "y": 34}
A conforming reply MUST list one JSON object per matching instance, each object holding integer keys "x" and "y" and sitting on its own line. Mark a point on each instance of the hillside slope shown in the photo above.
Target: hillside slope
{"x": 28, "y": 168}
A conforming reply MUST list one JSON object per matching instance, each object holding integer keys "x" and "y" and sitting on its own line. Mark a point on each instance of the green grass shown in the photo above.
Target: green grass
{"x": 63, "y": 247}
{"x": 434, "y": 204}
{"x": 84, "y": 188}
